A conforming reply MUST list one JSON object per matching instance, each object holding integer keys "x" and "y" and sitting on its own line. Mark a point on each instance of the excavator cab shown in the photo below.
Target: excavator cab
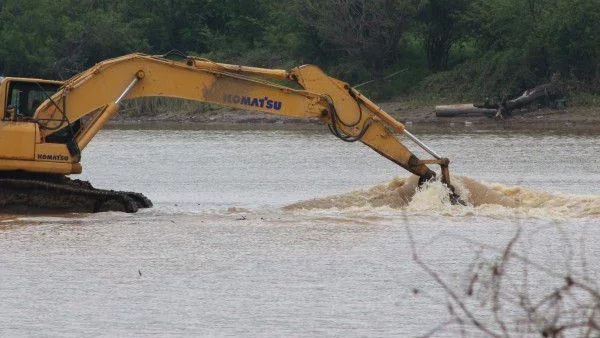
{"x": 23, "y": 96}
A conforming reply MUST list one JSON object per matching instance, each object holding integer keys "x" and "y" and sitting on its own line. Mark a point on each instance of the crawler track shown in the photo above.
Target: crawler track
{"x": 30, "y": 194}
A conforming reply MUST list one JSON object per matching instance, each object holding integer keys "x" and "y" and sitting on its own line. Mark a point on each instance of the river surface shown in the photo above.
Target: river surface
{"x": 276, "y": 233}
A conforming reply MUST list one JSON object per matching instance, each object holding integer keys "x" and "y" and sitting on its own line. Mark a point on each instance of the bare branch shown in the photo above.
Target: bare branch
{"x": 447, "y": 288}
{"x": 571, "y": 308}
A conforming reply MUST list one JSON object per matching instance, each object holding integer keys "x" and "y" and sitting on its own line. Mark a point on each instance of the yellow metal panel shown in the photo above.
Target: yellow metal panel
{"x": 41, "y": 167}
{"x": 354, "y": 118}
{"x": 105, "y": 82}
{"x": 52, "y": 152}
{"x": 17, "y": 140}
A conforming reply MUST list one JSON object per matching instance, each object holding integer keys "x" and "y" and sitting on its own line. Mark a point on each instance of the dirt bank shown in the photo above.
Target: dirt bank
{"x": 573, "y": 119}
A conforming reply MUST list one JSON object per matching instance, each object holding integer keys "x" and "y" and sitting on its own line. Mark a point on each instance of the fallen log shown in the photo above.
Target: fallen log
{"x": 467, "y": 109}
{"x": 548, "y": 95}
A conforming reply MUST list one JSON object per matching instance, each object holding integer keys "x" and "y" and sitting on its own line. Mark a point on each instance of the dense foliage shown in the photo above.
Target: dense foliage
{"x": 467, "y": 46}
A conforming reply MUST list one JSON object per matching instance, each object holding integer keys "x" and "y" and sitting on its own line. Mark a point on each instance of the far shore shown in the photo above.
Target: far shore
{"x": 571, "y": 119}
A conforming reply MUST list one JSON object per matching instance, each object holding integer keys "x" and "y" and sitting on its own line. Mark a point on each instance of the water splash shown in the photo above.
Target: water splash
{"x": 489, "y": 199}
{"x": 395, "y": 194}
{"x": 433, "y": 195}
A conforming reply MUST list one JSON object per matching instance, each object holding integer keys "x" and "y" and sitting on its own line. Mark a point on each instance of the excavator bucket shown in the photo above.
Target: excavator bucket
{"x": 442, "y": 162}
{"x": 454, "y": 196}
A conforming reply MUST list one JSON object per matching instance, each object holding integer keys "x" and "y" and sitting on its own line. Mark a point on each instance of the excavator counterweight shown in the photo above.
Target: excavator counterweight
{"x": 46, "y": 124}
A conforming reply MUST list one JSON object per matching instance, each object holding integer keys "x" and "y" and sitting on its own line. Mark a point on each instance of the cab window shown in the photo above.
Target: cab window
{"x": 25, "y": 97}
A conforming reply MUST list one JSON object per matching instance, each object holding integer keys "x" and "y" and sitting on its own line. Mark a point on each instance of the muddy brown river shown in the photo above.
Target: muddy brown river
{"x": 271, "y": 233}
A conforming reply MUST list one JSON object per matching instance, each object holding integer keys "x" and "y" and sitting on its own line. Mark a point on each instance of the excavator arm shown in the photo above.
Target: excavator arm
{"x": 79, "y": 110}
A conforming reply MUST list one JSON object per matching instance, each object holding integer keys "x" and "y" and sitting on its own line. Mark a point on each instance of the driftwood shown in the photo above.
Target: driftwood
{"x": 548, "y": 95}
{"x": 467, "y": 109}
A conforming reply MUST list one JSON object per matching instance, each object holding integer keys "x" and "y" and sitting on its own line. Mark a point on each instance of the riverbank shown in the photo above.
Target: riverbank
{"x": 571, "y": 119}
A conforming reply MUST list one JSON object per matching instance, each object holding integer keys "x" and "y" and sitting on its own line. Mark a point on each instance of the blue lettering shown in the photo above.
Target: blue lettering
{"x": 253, "y": 102}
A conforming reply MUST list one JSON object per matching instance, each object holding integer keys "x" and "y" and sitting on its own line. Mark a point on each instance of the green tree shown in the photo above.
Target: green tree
{"x": 441, "y": 26}
{"x": 62, "y": 37}
{"x": 573, "y": 35}
{"x": 170, "y": 24}
{"x": 236, "y": 27}
{"x": 360, "y": 31}
{"x": 532, "y": 41}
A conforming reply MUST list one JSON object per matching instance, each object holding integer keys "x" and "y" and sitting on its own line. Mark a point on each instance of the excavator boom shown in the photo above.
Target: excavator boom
{"x": 51, "y": 138}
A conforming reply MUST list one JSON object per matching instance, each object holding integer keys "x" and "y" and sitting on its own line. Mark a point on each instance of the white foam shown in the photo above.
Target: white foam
{"x": 487, "y": 199}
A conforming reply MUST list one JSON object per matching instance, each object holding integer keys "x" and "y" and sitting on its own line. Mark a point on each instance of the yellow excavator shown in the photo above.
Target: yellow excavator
{"x": 46, "y": 124}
